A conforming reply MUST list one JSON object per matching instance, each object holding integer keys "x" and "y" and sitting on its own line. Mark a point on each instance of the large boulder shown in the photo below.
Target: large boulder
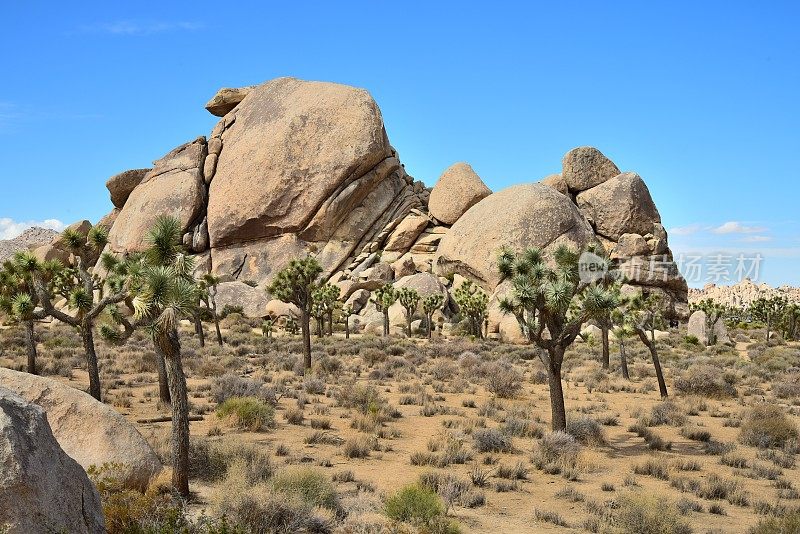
{"x": 557, "y": 182}
{"x": 458, "y": 189}
{"x": 294, "y": 146}
{"x": 89, "y": 431}
{"x": 226, "y": 99}
{"x": 120, "y": 186}
{"x": 173, "y": 187}
{"x": 529, "y": 215}
{"x": 620, "y": 205}
{"x": 697, "y": 328}
{"x": 252, "y": 300}
{"x": 586, "y": 167}
{"x": 42, "y": 489}
{"x": 406, "y": 233}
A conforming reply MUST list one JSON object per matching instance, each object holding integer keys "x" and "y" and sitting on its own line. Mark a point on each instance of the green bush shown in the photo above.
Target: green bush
{"x": 309, "y": 484}
{"x": 767, "y": 426}
{"x": 643, "y": 514}
{"x": 414, "y": 504}
{"x": 248, "y": 413}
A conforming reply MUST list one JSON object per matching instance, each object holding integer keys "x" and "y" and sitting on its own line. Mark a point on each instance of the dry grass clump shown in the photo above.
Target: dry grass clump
{"x": 452, "y": 489}
{"x": 646, "y": 514}
{"x": 491, "y": 440}
{"x": 557, "y": 452}
{"x": 248, "y": 413}
{"x": 230, "y": 385}
{"x": 706, "y": 381}
{"x": 421, "y": 507}
{"x": 586, "y": 430}
{"x": 767, "y": 426}
{"x": 502, "y": 379}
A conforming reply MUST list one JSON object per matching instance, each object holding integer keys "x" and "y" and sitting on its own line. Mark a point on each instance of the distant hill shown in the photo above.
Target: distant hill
{"x": 29, "y": 239}
{"x": 742, "y": 293}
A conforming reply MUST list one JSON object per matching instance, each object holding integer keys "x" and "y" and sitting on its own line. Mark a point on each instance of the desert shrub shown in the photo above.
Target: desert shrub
{"x": 706, "y": 381}
{"x": 767, "y": 426}
{"x": 452, "y": 490}
{"x": 210, "y": 461}
{"x": 665, "y": 413}
{"x": 294, "y": 415}
{"x": 415, "y": 504}
{"x": 778, "y": 525}
{"x": 656, "y": 468}
{"x": 230, "y": 385}
{"x": 358, "y": 447}
{"x": 549, "y": 516}
{"x": 309, "y": 484}
{"x": 585, "y": 430}
{"x": 360, "y": 397}
{"x": 644, "y": 514}
{"x": 248, "y": 413}
{"x": 491, "y": 440}
{"x": 314, "y": 385}
{"x": 502, "y": 379}
{"x": 696, "y": 433}
{"x": 556, "y": 451}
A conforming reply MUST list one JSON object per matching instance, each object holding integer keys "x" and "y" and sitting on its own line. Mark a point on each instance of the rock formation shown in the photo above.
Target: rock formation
{"x": 296, "y": 167}
{"x": 89, "y": 431}
{"x": 742, "y": 293}
{"x": 28, "y": 240}
{"x": 41, "y": 488}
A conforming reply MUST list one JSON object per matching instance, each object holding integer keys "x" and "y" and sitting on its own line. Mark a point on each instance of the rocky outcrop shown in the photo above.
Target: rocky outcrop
{"x": 252, "y": 300}
{"x": 458, "y": 189}
{"x": 743, "y": 293}
{"x": 89, "y": 431}
{"x": 41, "y": 488}
{"x": 173, "y": 187}
{"x": 529, "y": 215}
{"x": 586, "y": 167}
{"x": 697, "y": 328}
{"x": 226, "y": 99}
{"x": 121, "y": 185}
{"x": 30, "y": 239}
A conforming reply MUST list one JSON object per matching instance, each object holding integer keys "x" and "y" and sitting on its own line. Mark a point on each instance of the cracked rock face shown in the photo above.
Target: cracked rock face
{"x": 41, "y": 488}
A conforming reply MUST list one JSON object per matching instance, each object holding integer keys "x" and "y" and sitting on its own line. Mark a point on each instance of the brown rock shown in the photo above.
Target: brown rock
{"x": 630, "y": 245}
{"x": 252, "y": 300}
{"x": 517, "y": 217}
{"x": 619, "y": 206}
{"x": 174, "y": 187}
{"x": 458, "y": 189}
{"x": 404, "y": 266}
{"x": 226, "y": 99}
{"x": 121, "y": 185}
{"x": 586, "y": 167}
{"x": 557, "y": 182}
{"x": 406, "y": 232}
{"x": 41, "y": 488}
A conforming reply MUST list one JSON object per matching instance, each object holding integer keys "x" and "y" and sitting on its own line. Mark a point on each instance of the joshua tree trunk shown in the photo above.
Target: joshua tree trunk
{"x": 305, "y": 319}
{"x": 91, "y": 361}
{"x": 385, "y": 322}
{"x": 320, "y": 327}
{"x": 30, "y": 344}
{"x": 170, "y": 345}
{"x": 651, "y": 345}
{"x": 198, "y": 329}
{"x": 604, "y": 338}
{"x": 769, "y": 326}
{"x": 408, "y": 323}
{"x": 347, "y": 327}
{"x": 330, "y": 324}
{"x": 429, "y": 320}
{"x": 623, "y": 360}
{"x": 558, "y": 419}
{"x": 161, "y": 367}
{"x": 216, "y": 319}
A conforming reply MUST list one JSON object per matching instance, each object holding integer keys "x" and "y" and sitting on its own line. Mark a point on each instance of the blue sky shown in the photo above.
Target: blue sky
{"x": 699, "y": 98}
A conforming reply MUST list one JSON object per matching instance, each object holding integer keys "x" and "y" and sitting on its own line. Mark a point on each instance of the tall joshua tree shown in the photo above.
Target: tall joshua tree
{"x": 295, "y": 284}
{"x": 791, "y": 317}
{"x": 84, "y": 292}
{"x": 409, "y": 299}
{"x": 208, "y": 295}
{"x": 383, "y": 299}
{"x": 161, "y": 292}
{"x": 473, "y": 303}
{"x": 430, "y": 304}
{"x": 550, "y": 304}
{"x": 645, "y": 316}
{"x": 769, "y": 311}
{"x": 622, "y": 332}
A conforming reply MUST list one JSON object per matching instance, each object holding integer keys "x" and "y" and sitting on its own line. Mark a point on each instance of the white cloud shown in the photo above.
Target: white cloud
{"x": 132, "y": 27}
{"x": 735, "y": 227}
{"x": 9, "y": 228}
{"x": 686, "y": 230}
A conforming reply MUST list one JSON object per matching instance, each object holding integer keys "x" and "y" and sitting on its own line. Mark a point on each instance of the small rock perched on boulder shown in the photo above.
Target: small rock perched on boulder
{"x": 458, "y": 189}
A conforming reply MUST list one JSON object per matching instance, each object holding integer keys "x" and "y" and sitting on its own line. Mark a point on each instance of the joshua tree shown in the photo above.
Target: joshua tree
{"x": 409, "y": 299}
{"x": 768, "y": 310}
{"x": 318, "y": 310}
{"x": 290, "y": 326}
{"x": 344, "y": 317}
{"x": 622, "y": 332}
{"x": 84, "y": 291}
{"x": 266, "y": 328}
{"x": 295, "y": 284}
{"x": 208, "y": 294}
{"x": 791, "y": 317}
{"x": 383, "y": 299}
{"x": 323, "y": 305}
{"x": 430, "y": 304}
{"x": 550, "y": 305}
{"x": 645, "y": 315}
{"x": 714, "y": 312}
{"x": 472, "y": 302}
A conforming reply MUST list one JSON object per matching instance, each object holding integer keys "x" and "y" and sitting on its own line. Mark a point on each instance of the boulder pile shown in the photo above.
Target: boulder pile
{"x": 296, "y": 167}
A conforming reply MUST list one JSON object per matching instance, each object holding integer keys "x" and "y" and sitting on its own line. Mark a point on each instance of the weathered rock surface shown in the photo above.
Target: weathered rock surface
{"x": 252, "y": 300}
{"x": 120, "y": 186}
{"x": 226, "y": 99}
{"x": 586, "y": 167}
{"x": 173, "y": 187}
{"x": 89, "y": 431}
{"x": 30, "y": 239}
{"x": 620, "y": 205}
{"x": 557, "y": 182}
{"x": 458, "y": 189}
{"x": 42, "y": 489}
{"x": 697, "y": 328}
{"x": 517, "y": 217}
{"x": 405, "y": 233}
